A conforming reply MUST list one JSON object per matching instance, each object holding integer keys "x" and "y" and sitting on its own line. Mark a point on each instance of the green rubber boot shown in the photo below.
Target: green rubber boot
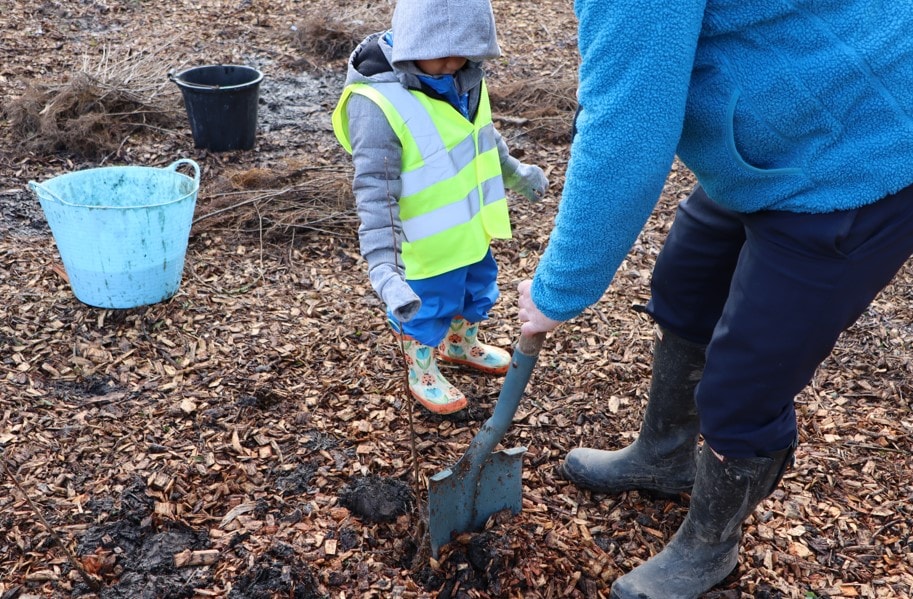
{"x": 705, "y": 549}
{"x": 426, "y": 383}
{"x": 462, "y": 346}
{"x": 663, "y": 457}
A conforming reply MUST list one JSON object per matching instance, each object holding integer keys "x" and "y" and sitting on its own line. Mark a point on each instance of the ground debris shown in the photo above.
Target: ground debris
{"x": 251, "y": 436}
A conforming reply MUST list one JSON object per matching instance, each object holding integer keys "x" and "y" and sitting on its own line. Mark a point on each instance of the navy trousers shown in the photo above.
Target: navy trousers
{"x": 769, "y": 293}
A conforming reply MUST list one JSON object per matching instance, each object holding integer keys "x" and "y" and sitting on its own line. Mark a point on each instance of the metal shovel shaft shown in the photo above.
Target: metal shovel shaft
{"x": 491, "y": 433}
{"x": 481, "y": 483}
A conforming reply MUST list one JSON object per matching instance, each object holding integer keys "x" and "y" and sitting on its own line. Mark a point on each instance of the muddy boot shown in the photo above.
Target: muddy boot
{"x": 426, "y": 383}
{"x": 705, "y": 549}
{"x": 662, "y": 459}
{"x": 462, "y": 346}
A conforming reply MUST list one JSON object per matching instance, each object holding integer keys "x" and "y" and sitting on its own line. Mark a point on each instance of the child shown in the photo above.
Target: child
{"x": 430, "y": 172}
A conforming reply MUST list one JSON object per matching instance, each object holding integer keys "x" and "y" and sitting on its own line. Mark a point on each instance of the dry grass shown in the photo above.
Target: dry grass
{"x": 333, "y": 33}
{"x": 275, "y": 202}
{"x": 544, "y": 106}
{"x": 92, "y": 112}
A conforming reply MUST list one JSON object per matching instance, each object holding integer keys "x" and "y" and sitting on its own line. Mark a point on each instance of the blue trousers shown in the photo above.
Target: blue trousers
{"x": 769, "y": 293}
{"x": 469, "y": 292}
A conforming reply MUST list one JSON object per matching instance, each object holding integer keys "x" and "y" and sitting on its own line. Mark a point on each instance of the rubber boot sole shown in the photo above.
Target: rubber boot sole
{"x": 441, "y": 409}
{"x": 474, "y": 365}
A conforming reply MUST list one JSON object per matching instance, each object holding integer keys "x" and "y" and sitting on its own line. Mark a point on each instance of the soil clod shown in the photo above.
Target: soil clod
{"x": 377, "y": 498}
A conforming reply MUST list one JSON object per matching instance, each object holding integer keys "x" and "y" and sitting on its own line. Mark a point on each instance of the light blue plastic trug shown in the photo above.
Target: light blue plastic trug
{"x": 122, "y": 231}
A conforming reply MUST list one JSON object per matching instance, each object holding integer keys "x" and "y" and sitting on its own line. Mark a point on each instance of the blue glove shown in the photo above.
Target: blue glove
{"x": 528, "y": 180}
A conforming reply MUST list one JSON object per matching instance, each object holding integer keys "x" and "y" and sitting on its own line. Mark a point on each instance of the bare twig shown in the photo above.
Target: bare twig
{"x": 409, "y": 403}
{"x": 273, "y": 193}
{"x": 93, "y": 584}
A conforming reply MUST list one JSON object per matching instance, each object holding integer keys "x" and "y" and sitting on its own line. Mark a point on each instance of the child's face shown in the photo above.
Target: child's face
{"x": 441, "y": 66}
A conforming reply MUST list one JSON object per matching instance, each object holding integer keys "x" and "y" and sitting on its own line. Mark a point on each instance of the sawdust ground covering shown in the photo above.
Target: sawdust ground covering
{"x": 250, "y": 436}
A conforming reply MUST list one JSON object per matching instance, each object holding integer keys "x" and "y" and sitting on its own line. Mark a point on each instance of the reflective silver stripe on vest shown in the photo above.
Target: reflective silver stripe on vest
{"x": 439, "y": 167}
{"x": 439, "y": 164}
{"x": 487, "y": 138}
{"x": 451, "y": 215}
{"x": 493, "y": 189}
{"x": 419, "y": 122}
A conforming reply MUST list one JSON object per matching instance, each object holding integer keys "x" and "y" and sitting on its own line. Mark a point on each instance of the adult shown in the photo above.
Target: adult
{"x": 797, "y": 119}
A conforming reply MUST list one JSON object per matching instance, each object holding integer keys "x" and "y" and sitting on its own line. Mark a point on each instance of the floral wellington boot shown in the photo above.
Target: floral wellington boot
{"x": 426, "y": 383}
{"x": 462, "y": 346}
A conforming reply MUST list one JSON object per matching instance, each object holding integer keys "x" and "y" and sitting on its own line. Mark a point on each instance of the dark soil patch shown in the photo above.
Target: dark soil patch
{"x": 377, "y": 498}
{"x": 89, "y": 387}
{"x": 277, "y": 573}
{"x": 21, "y": 215}
{"x": 475, "y": 562}
{"x": 132, "y": 552}
{"x": 296, "y": 482}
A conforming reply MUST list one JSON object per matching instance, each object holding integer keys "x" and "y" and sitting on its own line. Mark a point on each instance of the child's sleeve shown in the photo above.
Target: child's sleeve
{"x": 509, "y": 164}
{"x": 377, "y": 157}
{"x": 526, "y": 179}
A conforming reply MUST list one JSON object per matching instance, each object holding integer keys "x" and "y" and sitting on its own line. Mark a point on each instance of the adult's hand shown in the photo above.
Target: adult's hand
{"x": 533, "y": 320}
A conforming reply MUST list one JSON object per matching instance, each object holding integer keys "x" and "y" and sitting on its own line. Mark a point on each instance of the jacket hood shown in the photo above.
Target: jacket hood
{"x": 427, "y": 29}
{"x": 370, "y": 61}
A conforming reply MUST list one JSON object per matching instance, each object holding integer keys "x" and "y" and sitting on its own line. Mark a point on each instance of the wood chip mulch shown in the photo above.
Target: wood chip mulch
{"x": 213, "y": 445}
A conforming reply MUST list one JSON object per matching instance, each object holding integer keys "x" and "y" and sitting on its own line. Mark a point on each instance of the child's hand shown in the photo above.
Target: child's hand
{"x": 528, "y": 180}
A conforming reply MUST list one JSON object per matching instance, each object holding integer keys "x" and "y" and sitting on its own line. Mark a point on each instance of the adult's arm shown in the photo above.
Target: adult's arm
{"x": 636, "y": 62}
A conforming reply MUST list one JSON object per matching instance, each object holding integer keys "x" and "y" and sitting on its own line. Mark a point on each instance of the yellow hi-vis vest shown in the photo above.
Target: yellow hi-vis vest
{"x": 453, "y": 201}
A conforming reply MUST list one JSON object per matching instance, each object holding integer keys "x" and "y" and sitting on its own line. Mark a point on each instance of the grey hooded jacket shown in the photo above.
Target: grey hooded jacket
{"x": 422, "y": 29}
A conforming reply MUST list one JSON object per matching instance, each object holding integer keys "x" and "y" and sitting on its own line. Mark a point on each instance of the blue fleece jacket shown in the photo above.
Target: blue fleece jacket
{"x": 796, "y": 105}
